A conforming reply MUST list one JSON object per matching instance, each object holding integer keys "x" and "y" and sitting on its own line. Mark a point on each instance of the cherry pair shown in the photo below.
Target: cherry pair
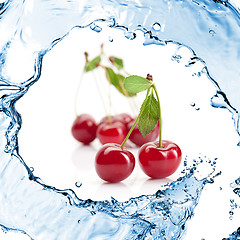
{"x": 158, "y": 159}
{"x": 114, "y": 163}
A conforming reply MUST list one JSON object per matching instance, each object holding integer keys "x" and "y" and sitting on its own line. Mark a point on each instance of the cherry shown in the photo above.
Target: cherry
{"x": 84, "y": 128}
{"x": 124, "y": 118}
{"x": 114, "y": 132}
{"x": 160, "y": 162}
{"x": 137, "y": 138}
{"x": 107, "y": 119}
{"x": 114, "y": 164}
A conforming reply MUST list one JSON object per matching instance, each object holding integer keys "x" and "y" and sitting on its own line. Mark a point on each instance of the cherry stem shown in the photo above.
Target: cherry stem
{"x": 129, "y": 132}
{"x": 99, "y": 92}
{"x": 160, "y": 118}
{"x": 133, "y": 126}
{"x": 77, "y": 92}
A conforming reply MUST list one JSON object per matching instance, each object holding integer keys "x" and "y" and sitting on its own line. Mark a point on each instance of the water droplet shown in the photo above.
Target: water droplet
{"x": 95, "y": 27}
{"x": 237, "y": 181}
{"x": 237, "y": 191}
{"x": 156, "y": 26}
{"x": 78, "y": 184}
{"x": 192, "y": 104}
{"x": 31, "y": 169}
{"x": 176, "y": 58}
{"x": 110, "y": 39}
{"x": 160, "y": 194}
{"x": 197, "y": 108}
{"x": 212, "y": 32}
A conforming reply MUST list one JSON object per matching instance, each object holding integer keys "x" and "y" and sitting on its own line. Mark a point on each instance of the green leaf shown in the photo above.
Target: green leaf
{"x": 121, "y": 87}
{"x": 112, "y": 77}
{"x": 117, "y": 81}
{"x": 117, "y": 62}
{"x": 92, "y": 64}
{"x": 149, "y": 115}
{"x": 136, "y": 84}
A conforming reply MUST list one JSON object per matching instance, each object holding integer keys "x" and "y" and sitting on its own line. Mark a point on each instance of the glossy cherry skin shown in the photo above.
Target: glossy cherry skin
{"x": 137, "y": 138}
{"x": 84, "y": 128}
{"x": 114, "y": 164}
{"x": 111, "y": 133}
{"x": 124, "y": 118}
{"x": 160, "y": 162}
{"x": 106, "y": 119}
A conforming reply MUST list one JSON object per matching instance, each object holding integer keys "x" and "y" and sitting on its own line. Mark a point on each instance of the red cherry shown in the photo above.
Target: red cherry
{"x": 114, "y": 164}
{"x": 84, "y": 128}
{"x": 111, "y": 133}
{"x": 123, "y": 118}
{"x": 160, "y": 162}
{"x": 106, "y": 119}
{"x": 137, "y": 138}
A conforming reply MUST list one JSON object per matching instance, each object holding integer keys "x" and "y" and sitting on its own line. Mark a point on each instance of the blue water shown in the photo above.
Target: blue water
{"x": 30, "y": 29}
{"x": 234, "y": 204}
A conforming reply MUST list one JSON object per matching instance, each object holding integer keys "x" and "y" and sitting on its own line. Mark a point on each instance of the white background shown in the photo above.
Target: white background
{"x": 48, "y": 112}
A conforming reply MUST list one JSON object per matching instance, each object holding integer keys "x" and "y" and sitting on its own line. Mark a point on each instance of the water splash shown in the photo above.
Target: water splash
{"x": 234, "y": 236}
{"x": 164, "y": 213}
{"x": 31, "y": 29}
{"x": 234, "y": 204}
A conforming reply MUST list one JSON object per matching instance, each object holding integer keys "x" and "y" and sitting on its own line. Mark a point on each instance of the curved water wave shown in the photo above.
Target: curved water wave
{"x": 28, "y": 30}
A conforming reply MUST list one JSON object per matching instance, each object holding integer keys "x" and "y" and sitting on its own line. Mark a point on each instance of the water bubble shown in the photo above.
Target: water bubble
{"x": 156, "y": 26}
{"x": 192, "y": 104}
{"x": 176, "y": 58}
{"x": 31, "y": 169}
{"x": 78, "y": 184}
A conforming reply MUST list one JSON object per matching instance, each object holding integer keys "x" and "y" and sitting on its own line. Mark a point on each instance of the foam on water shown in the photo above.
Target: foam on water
{"x": 30, "y": 29}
